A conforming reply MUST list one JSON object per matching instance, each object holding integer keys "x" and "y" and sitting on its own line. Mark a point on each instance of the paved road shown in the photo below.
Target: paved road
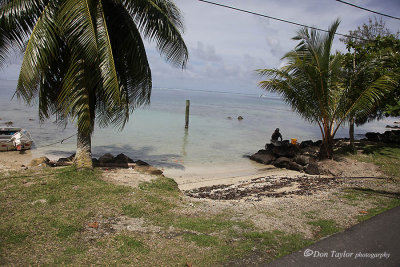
{"x": 375, "y": 242}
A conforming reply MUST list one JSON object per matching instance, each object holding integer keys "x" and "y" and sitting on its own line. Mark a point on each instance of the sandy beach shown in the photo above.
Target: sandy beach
{"x": 201, "y": 175}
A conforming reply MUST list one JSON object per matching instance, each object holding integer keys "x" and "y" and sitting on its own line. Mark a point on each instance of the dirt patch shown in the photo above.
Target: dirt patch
{"x": 129, "y": 177}
{"x": 15, "y": 160}
{"x": 105, "y": 226}
{"x": 349, "y": 168}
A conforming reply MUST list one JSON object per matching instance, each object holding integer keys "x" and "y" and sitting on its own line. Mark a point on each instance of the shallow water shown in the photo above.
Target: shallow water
{"x": 156, "y": 133}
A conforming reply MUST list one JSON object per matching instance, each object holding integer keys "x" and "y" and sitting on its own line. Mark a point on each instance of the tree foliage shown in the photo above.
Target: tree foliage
{"x": 374, "y": 51}
{"x": 311, "y": 83}
{"x": 85, "y": 60}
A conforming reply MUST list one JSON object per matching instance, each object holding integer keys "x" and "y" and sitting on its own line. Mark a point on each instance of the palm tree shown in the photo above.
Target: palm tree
{"x": 311, "y": 84}
{"x": 84, "y": 60}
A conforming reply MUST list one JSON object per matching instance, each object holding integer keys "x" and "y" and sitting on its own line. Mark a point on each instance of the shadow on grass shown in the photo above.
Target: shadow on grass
{"x": 369, "y": 148}
{"x": 377, "y": 192}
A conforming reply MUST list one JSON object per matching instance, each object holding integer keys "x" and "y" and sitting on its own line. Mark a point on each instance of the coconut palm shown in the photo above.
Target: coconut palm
{"x": 311, "y": 84}
{"x": 84, "y": 60}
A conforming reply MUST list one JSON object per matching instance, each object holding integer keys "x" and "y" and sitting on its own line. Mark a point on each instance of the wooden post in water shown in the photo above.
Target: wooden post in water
{"x": 187, "y": 114}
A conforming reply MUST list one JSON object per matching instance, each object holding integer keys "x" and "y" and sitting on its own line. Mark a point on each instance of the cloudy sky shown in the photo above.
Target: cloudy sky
{"x": 226, "y": 46}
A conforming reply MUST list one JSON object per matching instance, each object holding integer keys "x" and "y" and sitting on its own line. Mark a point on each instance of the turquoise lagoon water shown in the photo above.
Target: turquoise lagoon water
{"x": 156, "y": 133}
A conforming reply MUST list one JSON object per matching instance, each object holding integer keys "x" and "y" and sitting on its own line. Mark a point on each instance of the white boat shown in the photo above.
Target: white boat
{"x": 13, "y": 138}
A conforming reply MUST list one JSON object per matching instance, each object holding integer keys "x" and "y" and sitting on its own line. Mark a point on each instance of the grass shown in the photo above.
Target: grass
{"x": 45, "y": 216}
{"x": 129, "y": 245}
{"x": 325, "y": 227}
{"x": 202, "y": 239}
{"x": 387, "y": 157}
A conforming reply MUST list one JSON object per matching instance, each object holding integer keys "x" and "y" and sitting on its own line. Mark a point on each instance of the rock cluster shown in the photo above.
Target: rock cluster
{"x": 299, "y": 157}
{"x": 106, "y": 160}
{"x": 391, "y": 137}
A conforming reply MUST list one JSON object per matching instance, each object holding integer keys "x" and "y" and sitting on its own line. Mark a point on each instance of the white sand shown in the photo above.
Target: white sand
{"x": 194, "y": 176}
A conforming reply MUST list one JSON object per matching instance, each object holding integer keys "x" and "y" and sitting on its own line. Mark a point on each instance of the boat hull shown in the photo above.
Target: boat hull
{"x": 8, "y": 144}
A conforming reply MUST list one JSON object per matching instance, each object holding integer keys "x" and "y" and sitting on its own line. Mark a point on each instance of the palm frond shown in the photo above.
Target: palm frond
{"x": 160, "y": 20}
{"x": 17, "y": 19}
{"x": 42, "y": 48}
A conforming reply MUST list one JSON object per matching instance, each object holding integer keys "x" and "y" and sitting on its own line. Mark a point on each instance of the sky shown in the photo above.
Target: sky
{"x": 226, "y": 46}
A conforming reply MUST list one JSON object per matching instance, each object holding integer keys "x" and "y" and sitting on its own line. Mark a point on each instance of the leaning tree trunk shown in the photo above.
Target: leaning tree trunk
{"x": 83, "y": 158}
{"x": 351, "y": 134}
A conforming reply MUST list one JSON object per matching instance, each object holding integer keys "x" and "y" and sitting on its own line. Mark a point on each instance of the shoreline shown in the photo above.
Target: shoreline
{"x": 195, "y": 176}
{"x": 187, "y": 177}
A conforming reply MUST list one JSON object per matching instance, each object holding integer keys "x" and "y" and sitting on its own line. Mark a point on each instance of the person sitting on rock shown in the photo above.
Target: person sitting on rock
{"x": 275, "y": 136}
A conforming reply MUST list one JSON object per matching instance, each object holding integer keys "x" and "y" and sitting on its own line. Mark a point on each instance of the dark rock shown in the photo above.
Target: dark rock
{"x": 294, "y": 166}
{"x": 318, "y": 143}
{"x": 285, "y": 142}
{"x": 373, "y": 137}
{"x": 302, "y": 160}
{"x": 306, "y": 143}
{"x": 282, "y": 162}
{"x": 240, "y": 118}
{"x": 229, "y": 118}
{"x": 387, "y": 137}
{"x": 141, "y": 163}
{"x": 106, "y": 158}
{"x": 263, "y": 157}
{"x": 288, "y": 150}
{"x": 149, "y": 169}
{"x": 72, "y": 157}
{"x": 269, "y": 147}
{"x": 312, "y": 168}
{"x": 9, "y": 123}
{"x": 263, "y": 151}
{"x": 95, "y": 161}
{"x": 122, "y": 158}
{"x": 311, "y": 151}
{"x": 63, "y": 160}
{"x": 393, "y": 126}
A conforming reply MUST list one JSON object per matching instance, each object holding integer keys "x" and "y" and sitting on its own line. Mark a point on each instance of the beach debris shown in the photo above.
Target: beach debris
{"x": 312, "y": 168}
{"x": 262, "y": 187}
{"x": 240, "y": 118}
{"x": 93, "y": 225}
{"x": 42, "y": 161}
{"x": 41, "y": 201}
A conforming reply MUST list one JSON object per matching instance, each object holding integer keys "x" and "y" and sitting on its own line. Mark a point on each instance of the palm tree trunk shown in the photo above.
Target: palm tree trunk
{"x": 83, "y": 158}
{"x": 351, "y": 134}
{"x": 326, "y": 149}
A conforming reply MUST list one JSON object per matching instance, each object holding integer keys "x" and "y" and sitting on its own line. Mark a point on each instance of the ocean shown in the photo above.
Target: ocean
{"x": 156, "y": 133}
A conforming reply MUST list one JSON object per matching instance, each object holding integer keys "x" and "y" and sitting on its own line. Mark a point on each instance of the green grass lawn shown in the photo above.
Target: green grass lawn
{"x": 65, "y": 217}
{"x": 45, "y": 218}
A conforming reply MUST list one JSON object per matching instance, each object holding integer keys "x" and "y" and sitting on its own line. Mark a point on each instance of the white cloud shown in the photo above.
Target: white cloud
{"x": 226, "y": 46}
